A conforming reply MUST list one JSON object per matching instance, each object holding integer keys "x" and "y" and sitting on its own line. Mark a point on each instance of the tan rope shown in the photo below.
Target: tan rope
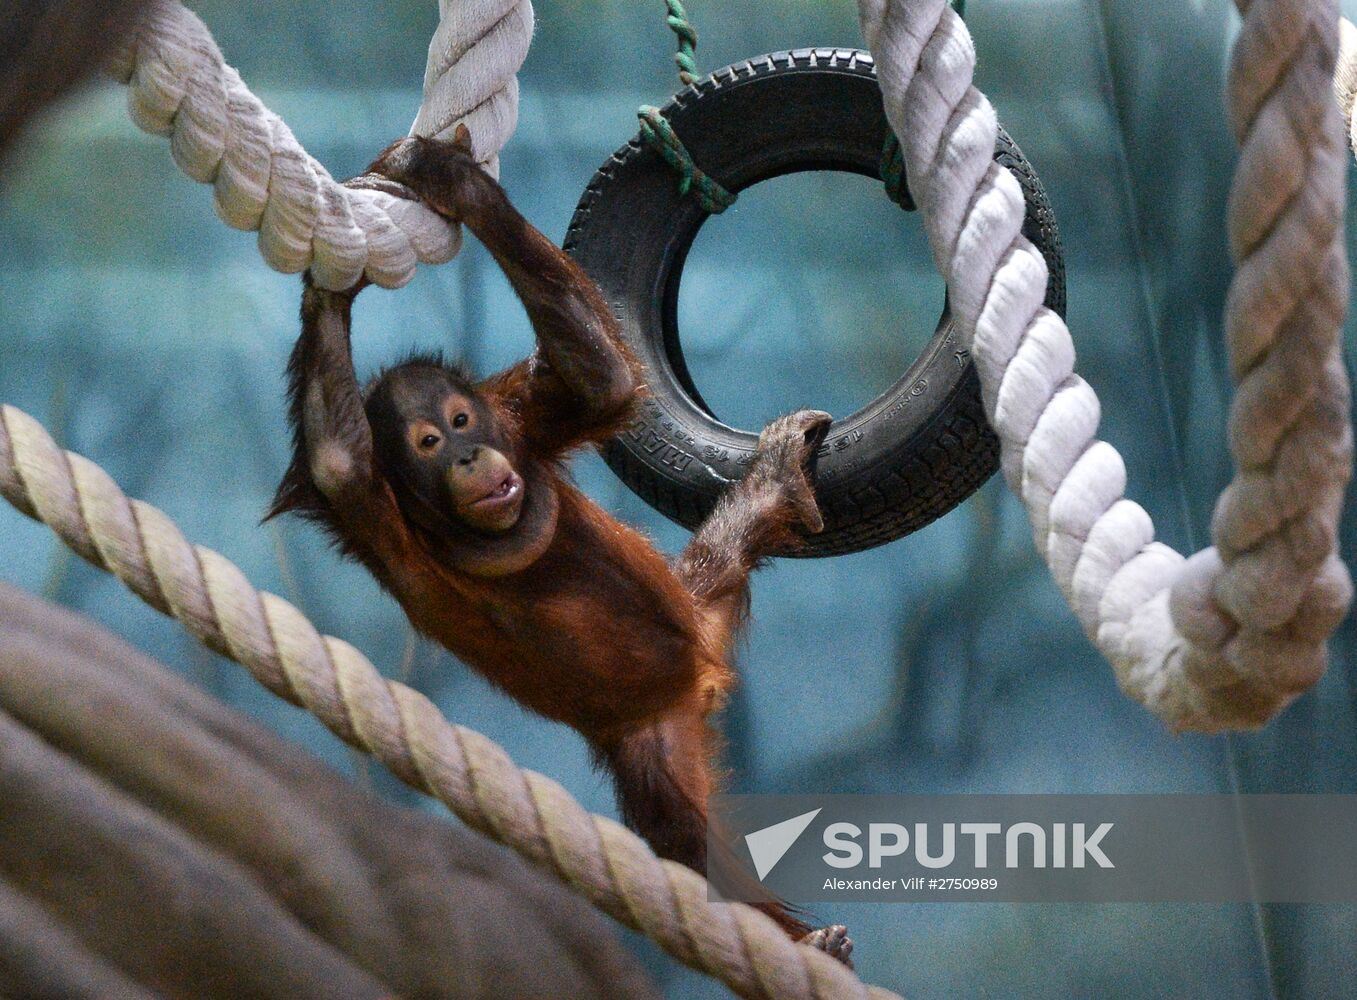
{"x": 1227, "y": 638}
{"x": 470, "y": 774}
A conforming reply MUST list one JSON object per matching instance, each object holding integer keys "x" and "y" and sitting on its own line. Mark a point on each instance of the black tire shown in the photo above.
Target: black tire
{"x": 900, "y": 462}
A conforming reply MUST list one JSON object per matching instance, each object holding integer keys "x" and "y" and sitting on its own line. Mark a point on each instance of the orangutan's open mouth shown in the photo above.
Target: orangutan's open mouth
{"x": 506, "y": 492}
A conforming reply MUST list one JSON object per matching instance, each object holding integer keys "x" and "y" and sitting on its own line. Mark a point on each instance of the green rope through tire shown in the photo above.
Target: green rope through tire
{"x": 660, "y": 136}
{"x": 657, "y": 133}
{"x": 893, "y": 173}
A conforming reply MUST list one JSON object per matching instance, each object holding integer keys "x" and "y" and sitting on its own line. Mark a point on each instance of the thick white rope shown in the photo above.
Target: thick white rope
{"x": 1228, "y": 637}
{"x": 221, "y": 134}
{"x": 471, "y": 75}
{"x": 473, "y": 776}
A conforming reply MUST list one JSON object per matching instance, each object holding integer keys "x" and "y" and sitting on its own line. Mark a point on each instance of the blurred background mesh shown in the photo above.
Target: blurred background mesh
{"x": 150, "y": 337}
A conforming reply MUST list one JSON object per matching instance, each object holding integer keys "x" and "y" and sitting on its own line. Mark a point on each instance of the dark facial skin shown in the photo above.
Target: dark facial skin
{"x": 444, "y": 447}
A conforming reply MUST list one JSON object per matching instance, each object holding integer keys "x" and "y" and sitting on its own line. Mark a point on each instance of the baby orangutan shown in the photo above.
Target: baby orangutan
{"x": 452, "y": 492}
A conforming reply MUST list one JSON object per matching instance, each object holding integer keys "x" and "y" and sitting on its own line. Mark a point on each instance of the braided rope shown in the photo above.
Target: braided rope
{"x": 685, "y": 57}
{"x": 660, "y": 136}
{"x": 471, "y": 75}
{"x": 892, "y": 167}
{"x": 221, "y": 134}
{"x": 473, "y": 776}
{"x": 1226, "y": 638}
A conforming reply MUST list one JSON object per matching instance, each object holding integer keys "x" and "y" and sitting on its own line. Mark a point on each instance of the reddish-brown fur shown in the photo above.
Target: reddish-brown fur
{"x": 575, "y": 616}
{"x": 597, "y": 633}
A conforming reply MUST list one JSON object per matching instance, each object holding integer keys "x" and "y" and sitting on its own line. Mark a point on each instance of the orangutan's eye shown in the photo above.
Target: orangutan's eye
{"x": 428, "y": 440}
{"x": 460, "y": 420}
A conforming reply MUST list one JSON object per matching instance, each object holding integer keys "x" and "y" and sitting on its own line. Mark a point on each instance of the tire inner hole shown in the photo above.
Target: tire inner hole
{"x": 812, "y": 290}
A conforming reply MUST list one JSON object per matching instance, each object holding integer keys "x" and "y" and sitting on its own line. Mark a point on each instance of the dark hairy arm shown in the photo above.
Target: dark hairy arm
{"x": 582, "y": 381}
{"x": 338, "y": 438}
{"x": 333, "y": 477}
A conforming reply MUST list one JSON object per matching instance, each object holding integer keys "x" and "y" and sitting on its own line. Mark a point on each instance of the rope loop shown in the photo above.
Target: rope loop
{"x": 660, "y": 136}
{"x": 893, "y": 173}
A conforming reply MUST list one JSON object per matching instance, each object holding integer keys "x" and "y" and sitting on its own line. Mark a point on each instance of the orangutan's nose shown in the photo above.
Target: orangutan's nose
{"x": 469, "y": 457}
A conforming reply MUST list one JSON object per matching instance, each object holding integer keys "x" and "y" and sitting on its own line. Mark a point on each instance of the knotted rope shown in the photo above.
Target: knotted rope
{"x": 1226, "y": 638}
{"x": 660, "y": 136}
{"x": 221, "y": 134}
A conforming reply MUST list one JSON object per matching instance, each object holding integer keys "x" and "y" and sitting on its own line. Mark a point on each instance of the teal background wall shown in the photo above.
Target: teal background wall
{"x": 150, "y": 337}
